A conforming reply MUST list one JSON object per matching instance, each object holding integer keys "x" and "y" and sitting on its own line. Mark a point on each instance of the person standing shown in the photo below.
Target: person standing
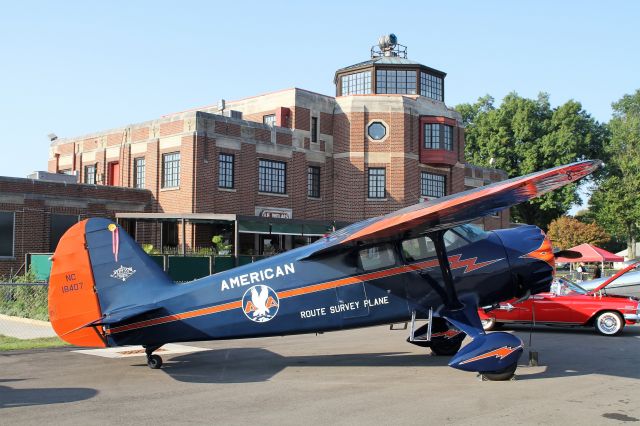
{"x": 597, "y": 272}
{"x": 580, "y": 270}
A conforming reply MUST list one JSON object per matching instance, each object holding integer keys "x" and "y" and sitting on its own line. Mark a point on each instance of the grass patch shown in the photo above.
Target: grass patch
{"x": 11, "y": 343}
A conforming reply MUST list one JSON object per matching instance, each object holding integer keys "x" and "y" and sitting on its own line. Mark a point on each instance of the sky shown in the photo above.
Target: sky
{"x": 73, "y": 68}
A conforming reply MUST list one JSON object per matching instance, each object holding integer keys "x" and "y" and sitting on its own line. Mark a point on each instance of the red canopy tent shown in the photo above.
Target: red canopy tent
{"x": 591, "y": 253}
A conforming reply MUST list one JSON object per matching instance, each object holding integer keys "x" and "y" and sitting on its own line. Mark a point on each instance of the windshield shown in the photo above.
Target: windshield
{"x": 564, "y": 286}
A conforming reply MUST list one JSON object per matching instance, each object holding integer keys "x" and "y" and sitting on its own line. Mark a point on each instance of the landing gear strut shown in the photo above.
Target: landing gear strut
{"x": 153, "y": 361}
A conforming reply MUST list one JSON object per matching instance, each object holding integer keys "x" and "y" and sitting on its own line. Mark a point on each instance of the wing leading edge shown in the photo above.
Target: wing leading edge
{"x": 463, "y": 207}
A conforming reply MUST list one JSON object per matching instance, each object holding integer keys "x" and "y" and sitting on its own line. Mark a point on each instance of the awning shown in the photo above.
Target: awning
{"x": 314, "y": 230}
{"x": 246, "y": 226}
{"x": 590, "y": 253}
{"x": 286, "y": 228}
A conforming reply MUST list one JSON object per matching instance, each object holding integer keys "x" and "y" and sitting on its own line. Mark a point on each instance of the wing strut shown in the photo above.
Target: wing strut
{"x": 452, "y": 303}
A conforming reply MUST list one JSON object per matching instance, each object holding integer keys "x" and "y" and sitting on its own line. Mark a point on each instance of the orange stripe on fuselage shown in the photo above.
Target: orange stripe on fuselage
{"x": 455, "y": 260}
{"x": 177, "y": 317}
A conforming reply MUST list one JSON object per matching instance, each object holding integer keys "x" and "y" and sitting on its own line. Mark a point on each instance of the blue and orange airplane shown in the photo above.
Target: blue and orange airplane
{"x": 421, "y": 262}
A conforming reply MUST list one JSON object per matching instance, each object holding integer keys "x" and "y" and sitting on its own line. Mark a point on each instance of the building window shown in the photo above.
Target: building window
{"x": 7, "y": 229}
{"x": 171, "y": 170}
{"x": 314, "y": 129}
{"x": 269, "y": 120}
{"x": 432, "y": 136}
{"x": 90, "y": 174}
{"x": 432, "y": 185}
{"x": 448, "y": 138}
{"x": 356, "y": 84}
{"x": 313, "y": 182}
{"x": 169, "y": 234}
{"x": 377, "y": 183}
{"x": 272, "y": 177}
{"x": 377, "y": 131}
{"x": 438, "y": 136}
{"x": 58, "y": 225}
{"x": 396, "y": 81}
{"x": 431, "y": 86}
{"x": 225, "y": 170}
{"x": 139, "y": 166}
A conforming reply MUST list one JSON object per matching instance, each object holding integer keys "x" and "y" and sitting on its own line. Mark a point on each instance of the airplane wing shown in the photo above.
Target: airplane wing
{"x": 463, "y": 207}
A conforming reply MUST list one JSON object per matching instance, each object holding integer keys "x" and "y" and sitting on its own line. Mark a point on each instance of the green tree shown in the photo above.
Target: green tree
{"x": 566, "y": 232}
{"x": 616, "y": 204}
{"x": 526, "y": 135}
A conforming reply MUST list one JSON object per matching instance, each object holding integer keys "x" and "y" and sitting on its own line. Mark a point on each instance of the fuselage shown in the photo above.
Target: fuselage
{"x": 361, "y": 285}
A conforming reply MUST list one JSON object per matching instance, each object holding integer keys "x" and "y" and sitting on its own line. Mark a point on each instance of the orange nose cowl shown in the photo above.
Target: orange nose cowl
{"x": 544, "y": 252}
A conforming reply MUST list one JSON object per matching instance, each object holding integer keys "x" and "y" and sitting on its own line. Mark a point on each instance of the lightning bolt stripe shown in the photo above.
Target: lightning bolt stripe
{"x": 449, "y": 334}
{"x": 501, "y": 353}
{"x": 455, "y": 262}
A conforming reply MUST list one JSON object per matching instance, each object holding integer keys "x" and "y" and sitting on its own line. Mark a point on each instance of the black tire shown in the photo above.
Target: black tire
{"x": 608, "y": 323}
{"x": 446, "y": 348}
{"x": 501, "y": 375}
{"x": 154, "y": 362}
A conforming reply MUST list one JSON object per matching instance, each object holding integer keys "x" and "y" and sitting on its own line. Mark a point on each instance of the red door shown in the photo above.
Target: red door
{"x": 553, "y": 308}
{"x": 114, "y": 174}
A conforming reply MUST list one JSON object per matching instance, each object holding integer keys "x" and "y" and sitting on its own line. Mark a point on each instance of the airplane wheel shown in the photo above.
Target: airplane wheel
{"x": 154, "y": 362}
{"x": 446, "y": 348}
{"x": 609, "y": 323}
{"x": 506, "y": 374}
{"x": 488, "y": 323}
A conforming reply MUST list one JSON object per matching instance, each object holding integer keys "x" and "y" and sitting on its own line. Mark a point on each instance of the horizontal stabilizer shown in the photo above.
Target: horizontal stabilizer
{"x": 120, "y": 315}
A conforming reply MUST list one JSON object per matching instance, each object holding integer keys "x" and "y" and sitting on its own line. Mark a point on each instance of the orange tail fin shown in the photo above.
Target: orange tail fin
{"x": 73, "y": 302}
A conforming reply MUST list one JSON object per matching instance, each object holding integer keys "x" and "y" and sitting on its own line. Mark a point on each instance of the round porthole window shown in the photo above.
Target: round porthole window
{"x": 377, "y": 131}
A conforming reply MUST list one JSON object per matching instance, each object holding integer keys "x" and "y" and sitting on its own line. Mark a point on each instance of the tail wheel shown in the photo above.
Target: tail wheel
{"x": 154, "y": 362}
{"x": 506, "y": 374}
{"x": 609, "y": 323}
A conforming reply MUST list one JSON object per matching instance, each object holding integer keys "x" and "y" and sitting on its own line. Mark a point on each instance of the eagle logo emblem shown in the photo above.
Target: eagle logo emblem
{"x": 260, "y": 303}
{"x": 123, "y": 273}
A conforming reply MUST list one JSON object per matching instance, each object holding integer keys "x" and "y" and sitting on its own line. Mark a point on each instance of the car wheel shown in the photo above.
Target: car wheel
{"x": 609, "y": 323}
{"x": 488, "y": 323}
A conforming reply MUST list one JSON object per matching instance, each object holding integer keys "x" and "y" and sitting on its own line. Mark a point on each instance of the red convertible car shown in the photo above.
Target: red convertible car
{"x": 568, "y": 304}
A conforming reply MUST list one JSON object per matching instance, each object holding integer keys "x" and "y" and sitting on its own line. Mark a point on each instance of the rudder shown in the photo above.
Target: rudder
{"x": 99, "y": 272}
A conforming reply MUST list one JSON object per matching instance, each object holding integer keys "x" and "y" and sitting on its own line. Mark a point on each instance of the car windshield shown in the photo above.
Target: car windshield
{"x": 564, "y": 286}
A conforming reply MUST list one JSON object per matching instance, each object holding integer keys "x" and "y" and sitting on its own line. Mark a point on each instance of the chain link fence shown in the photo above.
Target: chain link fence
{"x": 24, "y": 311}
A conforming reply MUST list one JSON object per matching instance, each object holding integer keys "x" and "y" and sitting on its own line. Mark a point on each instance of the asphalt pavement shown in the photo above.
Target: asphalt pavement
{"x": 367, "y": 376}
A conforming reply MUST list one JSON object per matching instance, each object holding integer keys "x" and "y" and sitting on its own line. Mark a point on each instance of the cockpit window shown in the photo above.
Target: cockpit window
{"x": 462, "y": 235}
{"x": 418, "y": 249}
{"x": 423, "y": 247}
{"x": 377, "y": 257}
{"x": 470, "y": 232}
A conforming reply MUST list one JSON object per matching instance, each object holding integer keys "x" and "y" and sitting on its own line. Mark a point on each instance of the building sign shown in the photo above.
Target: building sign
{"x": 274, "y": 212}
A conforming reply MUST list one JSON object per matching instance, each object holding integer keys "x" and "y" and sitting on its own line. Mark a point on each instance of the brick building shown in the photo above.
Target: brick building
{"x": 35, "y": 213}
{"x": 385, "y": 141}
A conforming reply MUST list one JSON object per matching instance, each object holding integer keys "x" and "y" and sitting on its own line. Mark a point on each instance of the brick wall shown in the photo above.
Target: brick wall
{"x": 34, "y": 201}
{"x": 343, "y": 175}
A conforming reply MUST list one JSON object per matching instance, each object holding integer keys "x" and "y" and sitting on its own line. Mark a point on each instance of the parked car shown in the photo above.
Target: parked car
{"x": 628, "y": 284}
{"x": 568, "y": 304}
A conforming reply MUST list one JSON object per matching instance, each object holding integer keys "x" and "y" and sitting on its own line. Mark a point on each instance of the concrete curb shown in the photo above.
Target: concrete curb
{"x": 25, "y": 320}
